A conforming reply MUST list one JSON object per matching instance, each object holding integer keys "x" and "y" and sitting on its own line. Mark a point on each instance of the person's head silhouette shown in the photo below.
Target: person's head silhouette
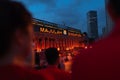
{"x": 114, "y": 9}
{"x": 52, "y": 56}
{"x": 15, "y": 31}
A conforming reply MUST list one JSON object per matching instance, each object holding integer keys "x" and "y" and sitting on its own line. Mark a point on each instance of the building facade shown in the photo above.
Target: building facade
{"x": 49, "y": 34}
{"x": 92, "y": 24}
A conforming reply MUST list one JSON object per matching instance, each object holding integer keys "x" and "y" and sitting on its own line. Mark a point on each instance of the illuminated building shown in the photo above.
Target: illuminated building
{"x": 49, "y": 34}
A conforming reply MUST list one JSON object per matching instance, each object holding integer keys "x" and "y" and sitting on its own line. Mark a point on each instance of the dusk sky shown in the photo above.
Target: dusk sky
{"x": 71, "y": 12}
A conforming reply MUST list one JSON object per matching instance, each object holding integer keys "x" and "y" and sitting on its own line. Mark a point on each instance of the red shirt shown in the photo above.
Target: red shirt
{"x": 102, "y": 62}
{"x": 57, "y": 73}
{"x": 13, "y": 72}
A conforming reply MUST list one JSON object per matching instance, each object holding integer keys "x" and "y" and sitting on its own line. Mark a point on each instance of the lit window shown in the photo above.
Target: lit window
{"x": 65, "y": 32}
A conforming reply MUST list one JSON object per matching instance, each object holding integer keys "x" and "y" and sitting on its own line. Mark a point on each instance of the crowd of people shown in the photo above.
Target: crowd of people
{"x": 64, "y": 61}
{"x": 53, "y": 68}
{"x": 102, "y": 62}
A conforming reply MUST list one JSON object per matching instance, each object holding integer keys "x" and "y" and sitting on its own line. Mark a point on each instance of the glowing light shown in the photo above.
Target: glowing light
{"x": 58, "y": 49}
{"x": 65, "y": 32}
{"x": 86, "y": 47}
{"x": 59, "y": 55}
{"x": 67, "y": 49}
{"x": 38, "y": 50}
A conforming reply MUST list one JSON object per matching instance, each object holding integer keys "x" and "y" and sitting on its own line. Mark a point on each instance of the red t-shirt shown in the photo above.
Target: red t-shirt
{"x": 57, "y": 73}
{"x": 102, "y": 62}
{"x": 13, "y": 72}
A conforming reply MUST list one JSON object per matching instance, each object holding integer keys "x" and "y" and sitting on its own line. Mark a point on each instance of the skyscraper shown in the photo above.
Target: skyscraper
{"x": 92, "y": 24}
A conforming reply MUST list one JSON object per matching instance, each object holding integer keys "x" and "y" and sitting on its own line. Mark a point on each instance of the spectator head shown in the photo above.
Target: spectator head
{"x": 113, "y": 9}
{"x": 52, "y": 56}
{"x": 15, "y": 29}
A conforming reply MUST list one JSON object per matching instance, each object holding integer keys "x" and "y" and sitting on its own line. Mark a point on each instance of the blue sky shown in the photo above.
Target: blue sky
{"x": 71, "y": 12}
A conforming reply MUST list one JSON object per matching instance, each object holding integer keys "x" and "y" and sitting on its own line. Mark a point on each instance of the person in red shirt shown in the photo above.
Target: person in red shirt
{"x": 52, "y": 57}
{"x": 102, "y": 62}
{"x": 16, "y": 32}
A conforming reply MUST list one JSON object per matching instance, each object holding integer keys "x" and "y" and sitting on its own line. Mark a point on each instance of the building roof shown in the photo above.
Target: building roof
{"x": 54, "y": 25}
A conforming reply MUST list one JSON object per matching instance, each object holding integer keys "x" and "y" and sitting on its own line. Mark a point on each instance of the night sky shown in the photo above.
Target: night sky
{"x": 71, "y": 12}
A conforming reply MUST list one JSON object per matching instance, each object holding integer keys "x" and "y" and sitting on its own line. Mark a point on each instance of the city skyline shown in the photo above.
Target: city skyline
{"x": 69, "y": 12}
